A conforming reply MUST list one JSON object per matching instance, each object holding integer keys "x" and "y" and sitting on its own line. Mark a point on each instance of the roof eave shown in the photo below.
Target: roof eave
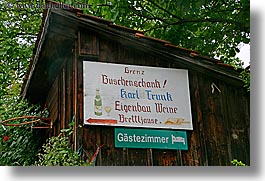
{"x": 35, "y": 57}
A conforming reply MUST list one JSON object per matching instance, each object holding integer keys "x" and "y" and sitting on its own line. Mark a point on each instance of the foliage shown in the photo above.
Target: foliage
{"x": 214, "y": 28}
{"x": 18, "y": 32}
{"x": 18, "y": 144}
{"x": 21, "y": 145}
{"x": 57, "y": 151}
{"x": 245, "y": 76}
{"x": 235, "y": 162}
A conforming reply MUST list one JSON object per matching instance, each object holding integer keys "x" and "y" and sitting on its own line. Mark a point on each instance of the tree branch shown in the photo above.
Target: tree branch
{"x": 165, "y": 10}
{"x": 198, "y": 21}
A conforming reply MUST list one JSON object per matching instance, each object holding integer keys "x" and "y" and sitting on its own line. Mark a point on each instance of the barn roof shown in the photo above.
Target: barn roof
{"x": 65, "y": 22}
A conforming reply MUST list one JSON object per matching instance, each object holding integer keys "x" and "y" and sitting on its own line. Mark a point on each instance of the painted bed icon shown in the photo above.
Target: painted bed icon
{"x": 177, "y": 139}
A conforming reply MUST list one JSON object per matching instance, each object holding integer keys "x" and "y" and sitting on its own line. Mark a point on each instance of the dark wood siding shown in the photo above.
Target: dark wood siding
{"x": 221, "y": 119}
{"x": 52, "y": 103}
{"x": 60, "y": 98}
{"x": 217, "y": 116}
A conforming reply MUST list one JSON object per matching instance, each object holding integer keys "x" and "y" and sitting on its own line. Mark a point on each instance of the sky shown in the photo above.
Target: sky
{"x": 244, "y": 54}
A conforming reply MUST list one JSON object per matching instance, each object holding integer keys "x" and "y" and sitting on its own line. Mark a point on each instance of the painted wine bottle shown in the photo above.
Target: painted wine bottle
{"x": 98, "y": 104}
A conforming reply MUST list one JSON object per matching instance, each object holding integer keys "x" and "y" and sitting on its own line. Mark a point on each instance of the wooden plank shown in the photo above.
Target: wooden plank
{"x": 196, "y": 153}
{"x": 89, "y": 143}
{"x": 104, "y": 51}
{"x": 214, "y": 122}
{"x": 54, "y": 109}
{"x": 52, "y": 106}
{"x": 137, "y": 157}
{"x": 79, "y": 111}
{"x": 110, "y": 156}
{"x": 52, "y": 93}
{"x": 238, "y": 125}
{"x": 221, "y": 115}
{"x": 98, "y": 143}
{"x": 209, "y": 123}
{"x": 62, "y": 98}
{"x": 88, "y": 42}
{"x": 167, "y": 157}
{"x": 69, "y": 90}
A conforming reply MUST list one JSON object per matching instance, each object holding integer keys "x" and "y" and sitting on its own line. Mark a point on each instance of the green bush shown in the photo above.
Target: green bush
{"x": 19, "y": 145}
{"x": 235, "y": 162}
{"x": 245, "y": 76}
{"x": 57, "y": 152}
{"x": 23, "y": 146}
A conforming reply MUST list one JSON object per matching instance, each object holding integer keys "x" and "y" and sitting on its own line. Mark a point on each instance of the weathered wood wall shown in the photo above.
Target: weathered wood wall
{"x": 220, "y": 119}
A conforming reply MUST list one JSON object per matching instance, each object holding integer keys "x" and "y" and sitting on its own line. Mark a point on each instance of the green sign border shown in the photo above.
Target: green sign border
{"x": 150, "y": 138}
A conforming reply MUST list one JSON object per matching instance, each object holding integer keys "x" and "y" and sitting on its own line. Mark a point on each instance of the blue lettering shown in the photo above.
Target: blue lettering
{"x": 129, "y": 95}
{"x": 158, "y": 97}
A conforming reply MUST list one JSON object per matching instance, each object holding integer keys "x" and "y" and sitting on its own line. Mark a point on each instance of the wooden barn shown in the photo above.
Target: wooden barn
{"x": 143, "y": 101}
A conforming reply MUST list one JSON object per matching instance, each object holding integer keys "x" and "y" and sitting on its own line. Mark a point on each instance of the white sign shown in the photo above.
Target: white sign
{"x": 136, "y": 96}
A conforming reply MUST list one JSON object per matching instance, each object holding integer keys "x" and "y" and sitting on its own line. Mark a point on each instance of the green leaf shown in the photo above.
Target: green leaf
{"x": 115, "y": 16}
{"x": 2, "y": 52}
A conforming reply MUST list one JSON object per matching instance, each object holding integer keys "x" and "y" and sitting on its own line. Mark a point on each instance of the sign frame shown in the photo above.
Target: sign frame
{"x": 136, "y": 96}
{"x": 150, "y": 138}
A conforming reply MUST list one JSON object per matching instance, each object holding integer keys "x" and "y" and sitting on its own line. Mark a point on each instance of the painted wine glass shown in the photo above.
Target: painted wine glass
{"x": 107, "y": 109}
